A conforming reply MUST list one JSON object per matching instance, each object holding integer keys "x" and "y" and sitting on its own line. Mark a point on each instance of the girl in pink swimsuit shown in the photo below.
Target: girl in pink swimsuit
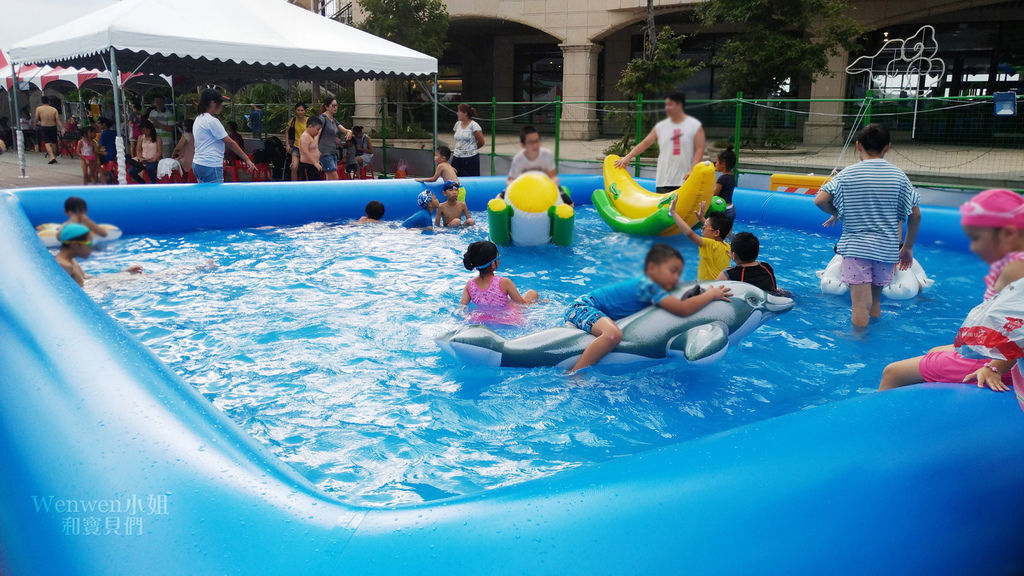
{"x": 492, "y": 295}
{"x": 994, "y": 223}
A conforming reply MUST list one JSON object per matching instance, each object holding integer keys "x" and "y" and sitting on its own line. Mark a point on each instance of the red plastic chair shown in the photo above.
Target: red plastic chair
{"x": 68, "y": 148}
{"x": 262, "y": 173}
{"x": 110, "y": 170}
{"x": 366, "y": 172}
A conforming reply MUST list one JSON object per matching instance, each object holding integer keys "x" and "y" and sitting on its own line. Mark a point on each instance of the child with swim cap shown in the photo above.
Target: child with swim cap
{"x": 75, "y": 242}
{"x": 994, "y": 223}
{"x": 493, "y": 295}
{"x": 597, "y": 311}
{"x": 452, "y": 211}
{"x": 424, "y": 217}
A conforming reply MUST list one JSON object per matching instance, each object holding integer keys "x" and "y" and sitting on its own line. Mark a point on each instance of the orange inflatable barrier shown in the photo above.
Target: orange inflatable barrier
{"x": 797, "y": 183}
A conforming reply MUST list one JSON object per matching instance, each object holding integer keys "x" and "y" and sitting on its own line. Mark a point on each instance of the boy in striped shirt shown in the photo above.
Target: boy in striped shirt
{"x": 872, "y": 198}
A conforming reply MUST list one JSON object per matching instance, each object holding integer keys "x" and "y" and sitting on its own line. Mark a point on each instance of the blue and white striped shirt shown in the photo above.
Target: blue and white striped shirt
{"x": 873, "y": 198}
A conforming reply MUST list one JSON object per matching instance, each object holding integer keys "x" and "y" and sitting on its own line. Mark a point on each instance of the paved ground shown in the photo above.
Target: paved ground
{"x": 66, "y": 172}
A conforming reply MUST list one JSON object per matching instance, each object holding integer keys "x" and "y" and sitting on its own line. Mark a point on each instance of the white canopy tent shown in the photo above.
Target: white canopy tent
{"x": 221, "y": 41}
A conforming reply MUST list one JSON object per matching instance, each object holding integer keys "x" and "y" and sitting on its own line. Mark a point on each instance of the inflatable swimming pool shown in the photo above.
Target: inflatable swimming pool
{"x": 93, "y": 425}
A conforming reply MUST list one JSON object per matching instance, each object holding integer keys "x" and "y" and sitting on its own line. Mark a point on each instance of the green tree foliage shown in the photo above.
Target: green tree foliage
{"x": 778, "y": 41}
{"x": 418, "y": 24}
{"x": 654, "y": 76}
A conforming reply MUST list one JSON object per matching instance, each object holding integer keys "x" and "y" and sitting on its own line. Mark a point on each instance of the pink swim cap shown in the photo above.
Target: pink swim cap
{"x": 994, "y": 209}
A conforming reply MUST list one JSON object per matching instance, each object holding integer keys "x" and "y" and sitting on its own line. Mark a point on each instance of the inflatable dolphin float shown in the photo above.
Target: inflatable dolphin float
{"x": 651, "y": 334}
{"x": 905, "y": 284}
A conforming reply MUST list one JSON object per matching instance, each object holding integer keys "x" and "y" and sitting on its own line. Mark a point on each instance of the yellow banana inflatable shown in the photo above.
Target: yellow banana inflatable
{"x": 633, "y": 202}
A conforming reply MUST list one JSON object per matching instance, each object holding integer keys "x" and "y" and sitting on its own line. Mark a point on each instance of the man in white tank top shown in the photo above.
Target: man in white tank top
{"x": 680, "y": 140}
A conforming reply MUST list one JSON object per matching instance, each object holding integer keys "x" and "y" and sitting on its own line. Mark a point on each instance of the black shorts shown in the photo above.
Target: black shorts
{"x": 308, "y": 172}
{"x": 48, "y": 134}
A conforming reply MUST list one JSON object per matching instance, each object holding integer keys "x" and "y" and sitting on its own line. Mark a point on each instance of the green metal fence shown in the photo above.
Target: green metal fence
{"x": 954, "y": 141}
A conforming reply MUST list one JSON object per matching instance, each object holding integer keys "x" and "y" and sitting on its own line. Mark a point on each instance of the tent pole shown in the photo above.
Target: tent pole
{"x": 16, "y": 114}
{"x": 174, "y": 104}
{"x": 435, "y": 111}
{"x": 115, "y": 82}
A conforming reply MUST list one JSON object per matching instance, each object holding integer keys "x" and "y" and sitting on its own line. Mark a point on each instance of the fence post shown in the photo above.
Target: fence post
{"x": 639, "y": 129}
{"x": 867, "y": 111}
{"x": 384, "y": 137}
{"x": 737, "y": 132}
{"x": 558, "y": 128}
{"x": 494, "y": 129}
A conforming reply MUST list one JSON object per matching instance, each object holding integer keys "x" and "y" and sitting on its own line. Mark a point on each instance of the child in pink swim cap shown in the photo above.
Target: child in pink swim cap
{"x": 994, "y": 223}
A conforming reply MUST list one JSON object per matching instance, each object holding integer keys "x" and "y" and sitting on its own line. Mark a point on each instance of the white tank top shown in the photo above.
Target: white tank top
{"x": 675, "y": 150}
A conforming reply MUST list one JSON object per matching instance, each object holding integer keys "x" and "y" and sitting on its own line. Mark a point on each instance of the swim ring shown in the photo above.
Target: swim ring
{"x": 48, "y": 233}
{"x": 905, "y": 284}
{"x": 629, "y": 207}
{"x": 651, "y": 334}
{"x": 532, "y": 213}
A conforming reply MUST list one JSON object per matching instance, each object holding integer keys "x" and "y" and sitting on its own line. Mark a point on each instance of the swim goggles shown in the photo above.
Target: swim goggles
{"x": 86, "y": 242}
{"x": 492, "y": 261}
{"x": 451, "y": 185}
{"x": 973, "y": 208}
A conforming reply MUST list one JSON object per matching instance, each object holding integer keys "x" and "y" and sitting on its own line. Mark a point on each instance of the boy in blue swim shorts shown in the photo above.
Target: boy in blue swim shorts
{"x": 597, "y": 311}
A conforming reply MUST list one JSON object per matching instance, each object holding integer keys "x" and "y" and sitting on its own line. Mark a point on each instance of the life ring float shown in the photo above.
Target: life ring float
{"x": 628, "y": 207}
{"x": 531, "y": 214}
{"x": 651, "y": 334}
{"x": 905, "y": 284}
{"x": 48, "y": 234}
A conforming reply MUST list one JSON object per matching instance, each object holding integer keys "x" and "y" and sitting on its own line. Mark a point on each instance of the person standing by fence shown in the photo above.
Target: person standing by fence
{"x": 680, "y": 139}
{"x": 469, "y": 139}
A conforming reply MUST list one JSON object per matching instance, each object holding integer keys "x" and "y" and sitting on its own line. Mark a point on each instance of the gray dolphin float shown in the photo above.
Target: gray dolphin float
{"x": 650, "y": 334}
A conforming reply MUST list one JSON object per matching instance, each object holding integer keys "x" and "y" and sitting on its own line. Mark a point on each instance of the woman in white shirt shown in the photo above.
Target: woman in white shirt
{"x": 210, "y": 137}
{"x": 469, "y": 139}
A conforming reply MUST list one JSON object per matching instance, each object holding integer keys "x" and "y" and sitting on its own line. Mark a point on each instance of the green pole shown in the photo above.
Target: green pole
{"x": 558, "y": 128}
{"x": 867, "y": 113}
{"x": 494, "y": 130}
{"x": 737, "y": 128}
{"x": 639, "y": 129}
{"x": 384, "y": 136}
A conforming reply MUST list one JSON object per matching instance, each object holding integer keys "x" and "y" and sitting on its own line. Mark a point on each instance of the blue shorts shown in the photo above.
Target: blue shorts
{"x": 208, "y": 174}
{"x": 583, "y": 313}
{"x": 329, "y": 162}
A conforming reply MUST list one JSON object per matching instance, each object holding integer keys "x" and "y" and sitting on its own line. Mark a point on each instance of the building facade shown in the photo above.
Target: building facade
{"x": 539, "y": 50}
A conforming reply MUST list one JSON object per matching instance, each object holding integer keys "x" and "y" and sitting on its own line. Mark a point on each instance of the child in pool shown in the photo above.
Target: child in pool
{"x": 597, "y": 311}
{"x": 76, "y": 243}
{"x": 451, "y": 212}
{"x": 994, "y": 223}
{"x": 87, "y": 156}
{"x": 374, "y": 212}
{"x": 744, "y": 250}
{"x": 725, "y": 163}
{"x": 444, "y": 170}
{"x": 77, "y": 212}
{"x": 493, "y": 295}
{"x": 712, "y": 247}
{"x": 423, "y": 217}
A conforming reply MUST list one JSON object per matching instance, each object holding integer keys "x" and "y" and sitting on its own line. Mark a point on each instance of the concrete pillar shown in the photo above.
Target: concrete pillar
{"x": 821, "y": 129}
{"x": 367, "y": 95}
{"x": 579, "y": 83}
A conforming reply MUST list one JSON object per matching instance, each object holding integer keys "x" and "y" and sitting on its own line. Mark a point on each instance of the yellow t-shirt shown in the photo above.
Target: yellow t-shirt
{"x": 300, "y": 127}
{"x": 714, "y": 258}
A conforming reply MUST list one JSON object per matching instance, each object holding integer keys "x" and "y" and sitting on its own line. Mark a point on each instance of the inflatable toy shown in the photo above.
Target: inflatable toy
{"x": 48, "y": 233}
{"x": 651, "y": 334}
{"x": 90, "y": 417}
{"x": 630, "y": 208}
{"x": 797, "y": 183}
{"x": 905, "y": 284}
{"x": 532, "y": 213}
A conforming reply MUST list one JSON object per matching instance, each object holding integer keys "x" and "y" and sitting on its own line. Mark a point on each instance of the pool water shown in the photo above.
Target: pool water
{"x": 318, "y": 340}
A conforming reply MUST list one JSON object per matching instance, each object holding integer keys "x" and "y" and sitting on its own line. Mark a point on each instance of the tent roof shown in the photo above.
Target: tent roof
{"x": 221, "y": 41}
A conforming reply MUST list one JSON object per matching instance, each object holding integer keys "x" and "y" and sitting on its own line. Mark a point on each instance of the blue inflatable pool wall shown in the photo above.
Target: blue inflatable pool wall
{"x": 93, "y": 426}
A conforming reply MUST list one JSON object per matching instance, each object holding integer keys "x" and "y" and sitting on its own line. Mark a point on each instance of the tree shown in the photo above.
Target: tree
{"x": 659, "y": 73}
{"x": 418, "y": 24}
{"x": 779, "y": 41}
